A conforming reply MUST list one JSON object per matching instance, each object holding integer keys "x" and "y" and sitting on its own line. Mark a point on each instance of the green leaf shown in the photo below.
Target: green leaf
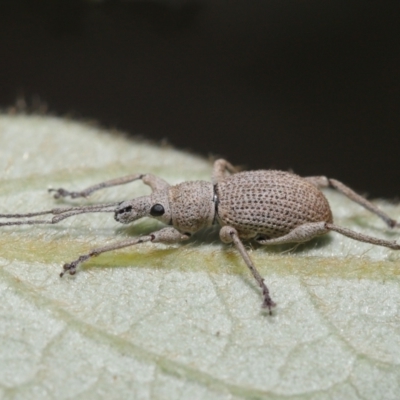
{"x": 184, "y": 321}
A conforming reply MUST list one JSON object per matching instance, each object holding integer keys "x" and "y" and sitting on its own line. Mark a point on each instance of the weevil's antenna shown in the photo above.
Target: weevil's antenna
{"x": 59, "y": 214}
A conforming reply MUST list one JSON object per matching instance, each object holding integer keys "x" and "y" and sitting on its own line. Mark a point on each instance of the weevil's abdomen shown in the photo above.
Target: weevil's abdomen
{"x": 269, "y": 203}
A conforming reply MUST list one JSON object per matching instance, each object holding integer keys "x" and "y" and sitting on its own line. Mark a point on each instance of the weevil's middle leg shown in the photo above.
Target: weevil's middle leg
{"x": 165, "y": 235}
{"x": 153, "y": 181}
{"x": 324, "y": 182}
{"x": 220, "y": 169}
{"x": 228, "y": 235}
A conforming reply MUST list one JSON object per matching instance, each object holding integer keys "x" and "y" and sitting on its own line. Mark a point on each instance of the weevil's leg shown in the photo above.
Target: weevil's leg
{"x": 59, "y": 214}
{"x": 392, "y": 244}
{"x": 229, "y": 235}
{"x": 151, "y": 180}
{"x": 302, "y": 233}
{"x": 306, "y": 232}
{"x": 324, "y": 182}
{"x": 220, "y": 169}
{"x": 165, "y": 235}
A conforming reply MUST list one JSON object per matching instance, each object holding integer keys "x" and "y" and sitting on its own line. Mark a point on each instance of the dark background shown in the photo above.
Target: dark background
{"x": 312, "y": 86}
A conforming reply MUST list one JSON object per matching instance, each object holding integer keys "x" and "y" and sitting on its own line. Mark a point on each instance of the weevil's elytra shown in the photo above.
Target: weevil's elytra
{"x": 272, "y": 207}
{"x": 269, "y": 203}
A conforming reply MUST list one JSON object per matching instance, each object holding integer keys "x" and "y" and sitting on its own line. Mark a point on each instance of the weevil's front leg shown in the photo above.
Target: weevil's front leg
{"x": 220, "y": 169}
{"x": 59, "y": 214}
{"x": 324, "y": 182}
{"x": 165, "y": 235}
{"x": 229, "y": 235}
{"x": 151, "y": 180}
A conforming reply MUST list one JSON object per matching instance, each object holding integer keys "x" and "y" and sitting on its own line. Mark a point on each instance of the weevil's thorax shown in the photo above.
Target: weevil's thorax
{"x": 269, "y": 203}
{"x": 192, "y": 205}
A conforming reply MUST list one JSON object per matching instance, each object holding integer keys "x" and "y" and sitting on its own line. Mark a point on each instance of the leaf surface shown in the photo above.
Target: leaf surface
{"x": 182, "y": 321}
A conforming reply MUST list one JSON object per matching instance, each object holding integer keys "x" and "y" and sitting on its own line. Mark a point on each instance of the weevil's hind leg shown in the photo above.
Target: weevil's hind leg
{"x": 324, "y": 182}
{"x": 165, "y": 235}
{"x": 229, "y": 235}
{"x": 306, "y": 232}
{"x": 151, "y": 180}
{"x": 363, "y": 238}
{"x": 221, "y": 168}
{"x": 300, "y": 234}
{"x": 59, "y": 214}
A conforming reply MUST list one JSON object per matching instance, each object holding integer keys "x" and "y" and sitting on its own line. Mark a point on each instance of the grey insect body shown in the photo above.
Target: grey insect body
{"x": 269, "y": 204}
{"x": 271, "y": 207}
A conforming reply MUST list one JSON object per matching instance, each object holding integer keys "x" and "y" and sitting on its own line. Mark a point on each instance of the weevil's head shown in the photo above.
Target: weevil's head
{"x": 188, "y": 206}
{"x": 156, "y": 206}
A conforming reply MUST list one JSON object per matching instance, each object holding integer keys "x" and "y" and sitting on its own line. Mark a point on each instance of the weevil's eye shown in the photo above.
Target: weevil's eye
{"x": 157, "y": 210}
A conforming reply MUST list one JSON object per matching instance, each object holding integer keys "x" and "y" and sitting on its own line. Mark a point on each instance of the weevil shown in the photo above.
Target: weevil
{"x": 268, "y": 206}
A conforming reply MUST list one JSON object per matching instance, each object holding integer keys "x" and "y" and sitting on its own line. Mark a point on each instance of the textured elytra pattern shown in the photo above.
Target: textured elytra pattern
{"x": 270, "y": 203}
{"x": 192, "y": 205}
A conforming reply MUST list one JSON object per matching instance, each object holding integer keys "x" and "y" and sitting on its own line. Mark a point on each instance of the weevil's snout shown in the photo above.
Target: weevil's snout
{"x": 132, "y": 210}
{"x": 122, "y": 213}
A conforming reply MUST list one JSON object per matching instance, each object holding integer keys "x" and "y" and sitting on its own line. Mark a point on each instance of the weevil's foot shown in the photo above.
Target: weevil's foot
{"x": 65, "y": 193}
{"x": 69, "y": 269}
{"x": 392, "y": 223}
{"x": 268, "y": 303}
